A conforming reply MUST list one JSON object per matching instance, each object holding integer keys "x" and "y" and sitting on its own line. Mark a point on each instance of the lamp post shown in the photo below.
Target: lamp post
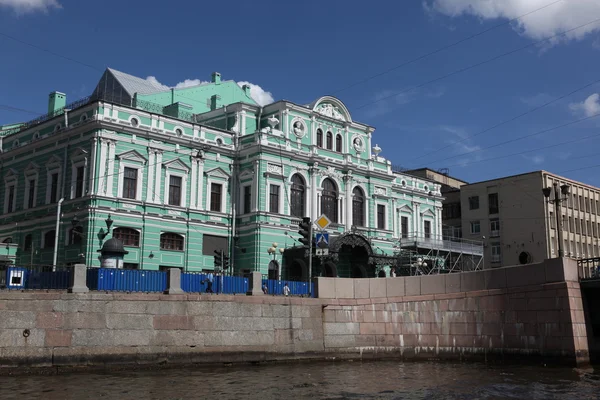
{"x": 273, "y": 251}
{"x": 564, "y": 190}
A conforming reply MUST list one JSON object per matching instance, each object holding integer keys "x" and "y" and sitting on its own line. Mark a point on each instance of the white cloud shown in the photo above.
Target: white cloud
{"x": 189, "y": 83}
{"x": 546, "y": 22}
{"x": 537, "y": 159}
{"x": 156, "y": 83}
{"x": 25, "y": 6}
{"x": 590, "y": 106}
{"x": 259, "y": 95}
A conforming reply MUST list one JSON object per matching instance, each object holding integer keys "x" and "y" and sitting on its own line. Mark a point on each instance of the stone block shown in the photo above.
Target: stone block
{"x": 17, "y": 319}
{"x": 570, "y": 270}
{"x": 178, "y": 338}
{"x": 416, "y": 328}
{"x": 174, "y": 281}
{"x": 472, "y": 281}
{"x": 525, "y": 275}
{"x": 116, "y": 307}
{"x": 58, "y": 338}
{"x": 433, "y": 284}
{"x": 372, "y": 328}
{"x": 365, "y": 341}
{"x": 84, "y": 321}
{"x": 79, "y": 279}
{"x": 297, "y": 312}
{"x": 20, "y": 338}
{"x": 554, "y": 270}
{"x": 335, "y": 328}
{"x": 494, "y": 278}
{"x": 128, "y": 321}
{"x": 395, "y": 287}
{"x": 453, "y": 283}
{"x": 361, "y": 288}
{"x": 245, "y": 338}
{"x": 378, "y": 287}
{"x": 392, "y": 328}
{"x": 344, "y": 288}
{"x": 337, "y": 341}
{"x": 325, "y": 288}
{"x": 49, "y": 320}
{"x": 167, "y": 307}
{"x": 412, "y": 285}
{"x": 255, "y": 284}
{"x": 171, "y": 322}
{"x": 26, "y": 357}
{"x": 387, "y": 340}
{"x": 110, "y": 338}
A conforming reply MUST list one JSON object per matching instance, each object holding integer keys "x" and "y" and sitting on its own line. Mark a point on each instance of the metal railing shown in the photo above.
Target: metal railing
{"x": 452, "y": 244}
{"x": 297, "y": 287}
{"x": 197, "y": 282}
{"x": 588, "y": 268}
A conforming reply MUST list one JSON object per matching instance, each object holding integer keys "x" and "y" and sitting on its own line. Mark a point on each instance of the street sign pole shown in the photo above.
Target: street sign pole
{"x": 310, "y": 245}
{"x": 222, "y": 270}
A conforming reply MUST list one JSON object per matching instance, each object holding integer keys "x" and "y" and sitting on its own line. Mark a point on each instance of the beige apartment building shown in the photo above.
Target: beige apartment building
{"x": 517, "y": 224}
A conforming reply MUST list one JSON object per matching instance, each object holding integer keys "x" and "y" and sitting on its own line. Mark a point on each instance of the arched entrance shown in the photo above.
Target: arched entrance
{"x": 354, "y": 256}
{"x": 273, "y": 270}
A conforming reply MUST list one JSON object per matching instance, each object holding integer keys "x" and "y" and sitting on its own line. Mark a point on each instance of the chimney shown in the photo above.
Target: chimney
{"x": 216, "y": 78}
{"x": 56, "y": 101}
{"x": 246, "y": 90}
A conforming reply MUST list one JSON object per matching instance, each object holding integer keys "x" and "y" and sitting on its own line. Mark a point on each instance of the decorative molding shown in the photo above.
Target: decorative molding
{"x": 331, "y": 172}
{"x": 380, "y": 191}
{"x": 405, "y": 208}
{"x": 358, "y": 143}
{"x": 176, "y": 164}
{"x": 298, "y": 127}
{"x": 132, "y": 155}
{"x": 217, "y": 173}
{"x": 274, "y": 169}
{"x": 428, "y": 213}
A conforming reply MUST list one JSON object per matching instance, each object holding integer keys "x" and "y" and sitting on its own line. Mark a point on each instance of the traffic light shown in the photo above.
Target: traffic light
{"x": 225, "y": 261}
{"x": 218, "y": 258}
{"x": 305, "y": 232}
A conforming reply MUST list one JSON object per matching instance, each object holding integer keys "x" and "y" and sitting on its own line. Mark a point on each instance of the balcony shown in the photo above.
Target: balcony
{"x": 449, "y": 244}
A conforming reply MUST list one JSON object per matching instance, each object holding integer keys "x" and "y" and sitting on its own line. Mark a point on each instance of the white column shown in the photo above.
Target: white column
{"x": 111, "y": 170}
{"x": 200, "y": 186}
{"x": 314, "y": 195}
{"x": 92, "y": 168}
{"x": 157, "y": 177}
{"x": 255, "y": 198}
{"x": 150, "y": 174}
{"x": 102, "y": 169}
{"x": 438, "y": 215}
{"x": 416, "y": 220}
{"x": 394, "y": 218}
{"x": 369, "y": 145}
{"x": 367, "y": 210}
{"x": 348, "y": 204}
{"x": 193, "y": 184}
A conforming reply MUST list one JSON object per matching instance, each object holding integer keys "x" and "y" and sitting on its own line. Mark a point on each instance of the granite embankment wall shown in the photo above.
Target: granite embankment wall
{"x": 529, "y": 310}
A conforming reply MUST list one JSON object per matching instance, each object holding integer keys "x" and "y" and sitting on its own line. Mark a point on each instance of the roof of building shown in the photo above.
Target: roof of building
{"x": 133, "y": 84}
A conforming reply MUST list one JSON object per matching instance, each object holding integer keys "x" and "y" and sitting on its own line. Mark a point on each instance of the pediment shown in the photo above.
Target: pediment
{"x": 132, "y": 155}
{"x": 247, "y": 173}
{"x": 405, "y": 208}
{"x": 428, "y": 213}
{"x": 176, "y": 164}
{"x": 217, "y": 173}
{"x": 11, "y": 174}
{"x": 78, "y": 154}
{"x": 32, "y": 167}
{"x": 54, "y": 160}
{"x": 331, "y": 107}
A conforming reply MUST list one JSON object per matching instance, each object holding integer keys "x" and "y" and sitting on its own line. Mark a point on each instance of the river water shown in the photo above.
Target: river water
{"x": 339, "y": 380}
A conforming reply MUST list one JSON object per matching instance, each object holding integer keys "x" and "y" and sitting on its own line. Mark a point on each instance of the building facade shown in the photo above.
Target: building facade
{"x": 518, "y": 225}
{"x": 182, "y": 173}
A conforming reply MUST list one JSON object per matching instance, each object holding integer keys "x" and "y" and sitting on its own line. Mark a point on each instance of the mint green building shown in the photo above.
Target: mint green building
{"x": 184, "y": 172}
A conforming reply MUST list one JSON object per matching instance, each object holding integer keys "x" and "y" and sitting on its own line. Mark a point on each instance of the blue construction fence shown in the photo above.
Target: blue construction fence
{"x": 297, "y": 288}
{"x": 146, "y": 281}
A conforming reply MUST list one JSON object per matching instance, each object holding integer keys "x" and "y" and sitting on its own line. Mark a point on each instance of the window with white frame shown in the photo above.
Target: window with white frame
{"x": 274, "y": 198}
{"x": 217, "y": 186}
{"x": 131, "y": 175}
{"x": 78, "y": 173}
{"x": 53, "y": 179}
{"x": 10, "y": 191}
{"x": 176, "y": 183}
{"x": 496, "y": 252}
{"x": 216, "y": 196}
{"x": 495, "y": 227}
{"x": 404, "y": 227}
{"x": 31, "y": 180}
{"x": 427, "y": 229}
{"x": 475, "y": 227}
{"x": 381, "y": 216}
{"x": 247, "y": 199}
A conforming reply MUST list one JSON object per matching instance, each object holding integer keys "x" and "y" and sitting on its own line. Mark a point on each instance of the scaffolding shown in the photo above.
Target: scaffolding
{"x": 427, "y": 255}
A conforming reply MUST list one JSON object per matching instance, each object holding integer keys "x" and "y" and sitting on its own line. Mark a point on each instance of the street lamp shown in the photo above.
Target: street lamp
{"x": 273, "y": 251}
{"x": 564, "y": 190}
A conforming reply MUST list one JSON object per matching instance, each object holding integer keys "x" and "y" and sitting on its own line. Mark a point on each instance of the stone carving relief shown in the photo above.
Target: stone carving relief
{"x": 358, "y": 144}
{"x": 331, "y": 172}
{"x": 380, "y": 190}
{"x": 274, "y": 169}
{"x": 329, "y": 110}
{"x": 298, "y": 128}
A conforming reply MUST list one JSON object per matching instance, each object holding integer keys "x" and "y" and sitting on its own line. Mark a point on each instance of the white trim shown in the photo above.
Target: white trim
{"x": 209, "y": 183}
{"x": 183, "y": 190}
{"x": 385, "y": 219}
{"x": 280, "y": 196}
{"x": 140, "y": 177}
{"x": 242, "y": 200}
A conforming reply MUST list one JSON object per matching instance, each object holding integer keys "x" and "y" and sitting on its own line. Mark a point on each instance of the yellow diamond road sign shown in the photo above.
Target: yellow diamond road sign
{"x": 323, "y": 222}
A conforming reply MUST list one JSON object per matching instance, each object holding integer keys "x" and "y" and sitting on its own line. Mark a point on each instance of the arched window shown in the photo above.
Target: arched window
{"x": 171, "y": 241}
{"x": 329, "y": 141}
{"x": 358, "y": 207}
{"x": 28, "y": 242}
{"x": 319, "y": 138}
{"x": 298, "y": 191}
{"x": 75, "y": 235}
{"x": 338, "y": 143}
{"x": 129, "y": 236}
{"x": 329, "y": 197}
{"x": 49, "y": 239}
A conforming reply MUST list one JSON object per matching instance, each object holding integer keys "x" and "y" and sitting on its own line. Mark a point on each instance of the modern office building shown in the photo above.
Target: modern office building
{"x": 518, "y": 225}
{"x": 176, "y": 174}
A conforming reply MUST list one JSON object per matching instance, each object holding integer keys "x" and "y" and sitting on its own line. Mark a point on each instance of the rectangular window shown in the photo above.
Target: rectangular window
{"x": 581, "y": 206}
{"x": 589, "y": 228}
{"x": 496, "y": 252}
{"x": 577, "y": 230}
{"x": 216, "y": 191}
{"x": 174, "y": 190}
{"x": 53, "y": 188}
{"x": 31, "y": 194}
{"x": 582, "y": 227}
{"x": 130, "y": 183}
{"x": 475, "y": 227}
{"x": 11, "y": 199}
{"x": 552, "y": 220}
{"x": 451, "y": 211}
{"x": 575, "y": 207}
{"x": 495, "y": 227}
{"x": 473, "y": 202}
{"x": 571, "y": 225}
{"x": 274, "y": 199}
{"x": 79, "y": 181}
{"x": 247, "y": 199}
{"x": 597, "y": 207}
{"x": 380, "y": 216}
{"x": 427, "y": 229}
{"x": 404, "y": 226}
{"x": 587, "y": 205}
{"x": 493, "y": 203}
{"x": 594, "y": 229}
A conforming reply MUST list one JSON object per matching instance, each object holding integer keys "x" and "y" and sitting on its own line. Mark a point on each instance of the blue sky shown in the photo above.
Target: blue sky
{"x": 301, "y": 50}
